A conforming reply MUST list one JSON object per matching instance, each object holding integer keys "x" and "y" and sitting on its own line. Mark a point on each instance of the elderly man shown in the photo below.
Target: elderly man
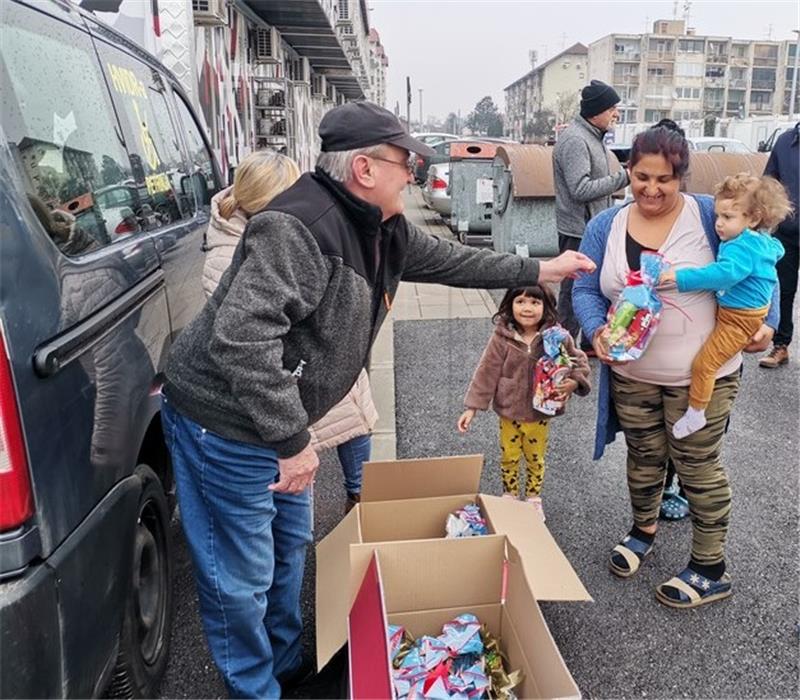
{"x": 282, "y": 339}
{"x": 583, "y": 180}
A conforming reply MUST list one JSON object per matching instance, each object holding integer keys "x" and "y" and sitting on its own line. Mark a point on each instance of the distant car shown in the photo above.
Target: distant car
{"x": 432, "y": 137}
{"x": 436, "y": 191}
{"x": 621, "y": 150}
{"x": 716, "y": 144}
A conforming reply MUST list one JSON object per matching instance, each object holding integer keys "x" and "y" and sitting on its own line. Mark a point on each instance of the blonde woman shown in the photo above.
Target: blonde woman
{"x": 260, "y": 177}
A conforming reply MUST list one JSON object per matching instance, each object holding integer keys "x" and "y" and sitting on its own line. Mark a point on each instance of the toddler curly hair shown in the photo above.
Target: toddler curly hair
{"x": 763, "y": 198}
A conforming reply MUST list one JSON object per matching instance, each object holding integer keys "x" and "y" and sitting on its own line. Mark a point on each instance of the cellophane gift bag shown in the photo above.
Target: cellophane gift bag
{"x": 550, "y": 371}
{"x": 634, "y": 317}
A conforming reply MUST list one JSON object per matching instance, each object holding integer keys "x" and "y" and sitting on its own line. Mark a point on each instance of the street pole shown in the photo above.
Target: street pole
{"x": 794, "y": 75}
{"x": 420, "y": 109}
{"x": 408, "y": 103}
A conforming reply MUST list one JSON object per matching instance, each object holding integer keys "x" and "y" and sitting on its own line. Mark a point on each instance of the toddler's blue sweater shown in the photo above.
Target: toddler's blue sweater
{"x": 744, "y": 274}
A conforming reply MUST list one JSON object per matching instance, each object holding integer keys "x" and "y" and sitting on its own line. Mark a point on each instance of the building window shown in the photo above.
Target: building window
{"x": 690, "y": 45}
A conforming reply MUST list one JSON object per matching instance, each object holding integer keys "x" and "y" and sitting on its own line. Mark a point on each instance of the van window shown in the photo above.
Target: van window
{"x": 62, "y": 131}
{"x": 158, "y": 166}
{"x": 203, "y": 179}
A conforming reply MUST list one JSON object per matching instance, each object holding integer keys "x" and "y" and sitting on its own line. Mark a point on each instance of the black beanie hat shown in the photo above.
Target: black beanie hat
{"x": 597, "y": 97}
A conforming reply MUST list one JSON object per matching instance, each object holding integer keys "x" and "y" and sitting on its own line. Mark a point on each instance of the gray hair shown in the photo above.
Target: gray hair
{"x": 339, "y": 164}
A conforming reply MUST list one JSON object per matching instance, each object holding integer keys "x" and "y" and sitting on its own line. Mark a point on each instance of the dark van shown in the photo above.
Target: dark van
{"x": 105, "y": 185}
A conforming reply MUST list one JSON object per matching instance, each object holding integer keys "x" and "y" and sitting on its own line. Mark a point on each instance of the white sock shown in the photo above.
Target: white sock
{"x": 691, "y": 422}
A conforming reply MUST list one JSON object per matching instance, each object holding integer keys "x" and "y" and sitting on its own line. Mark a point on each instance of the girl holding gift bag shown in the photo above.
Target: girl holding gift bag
{"x": 504, "y": 378}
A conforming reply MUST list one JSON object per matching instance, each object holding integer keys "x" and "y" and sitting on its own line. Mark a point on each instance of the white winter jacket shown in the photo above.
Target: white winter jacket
{"x": 355, "y": 414}
{"x": 222, "y": 238}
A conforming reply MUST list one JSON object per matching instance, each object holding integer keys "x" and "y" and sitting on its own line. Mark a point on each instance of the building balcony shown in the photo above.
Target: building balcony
{"x": 737, "y": 83}
{"x": 666, "y": 56}
{"x": 626, "y": 79}
{"x": 761, "y": 107}
{"x": 763, "y": 62}
{"x": 716, "y": 58}
{"x": 714, "y": 82}
{"x": 627, "y": 56}
{"x": 660, "y": 79}
{"x": 315, "y": 31}
{"x": 763, "y": 85}
{"x": 739, "y": 61}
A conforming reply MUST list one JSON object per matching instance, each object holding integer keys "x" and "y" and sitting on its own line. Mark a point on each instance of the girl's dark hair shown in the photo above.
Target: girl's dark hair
{"x": 665, "y": 139}
{"x": 505, "y": 312}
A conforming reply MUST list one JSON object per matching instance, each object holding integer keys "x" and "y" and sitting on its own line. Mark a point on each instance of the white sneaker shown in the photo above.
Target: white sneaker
{"x": 536, "y": 502}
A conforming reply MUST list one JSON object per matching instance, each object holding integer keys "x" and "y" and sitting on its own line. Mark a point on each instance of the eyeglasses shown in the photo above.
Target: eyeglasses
{"x": 408, "y": 165}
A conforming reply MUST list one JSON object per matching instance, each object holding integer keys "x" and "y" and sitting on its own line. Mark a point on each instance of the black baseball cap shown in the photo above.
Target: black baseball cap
{"x": 363, "y": 124}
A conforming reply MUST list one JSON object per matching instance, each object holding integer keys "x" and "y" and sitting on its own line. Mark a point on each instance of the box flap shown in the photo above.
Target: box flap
{"x": 549, "y": 673}
{"x": 333, "y": 586}
{"x": 428, "y": 574}
{"x": 420, "y": 478}
{"x": 549, "y": 573}
{"x": 370, "y": 665}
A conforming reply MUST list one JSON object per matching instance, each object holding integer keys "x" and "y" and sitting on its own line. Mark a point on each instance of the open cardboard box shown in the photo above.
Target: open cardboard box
{"x": 409, "y": 500}
{"x": 422, "y": 585}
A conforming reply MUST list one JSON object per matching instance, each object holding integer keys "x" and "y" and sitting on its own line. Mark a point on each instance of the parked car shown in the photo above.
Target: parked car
{"x": 436, "y": 191}
{"x": 432, "y": 137}
{"x": 717, "y": 144}
{"x": 87, "y": 315}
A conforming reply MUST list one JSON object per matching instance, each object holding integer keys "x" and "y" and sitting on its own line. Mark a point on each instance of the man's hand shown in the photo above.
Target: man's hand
{"x": 569, "y": 264}
{"x": 761, "y": 339}
{"x": 297, "y": 473}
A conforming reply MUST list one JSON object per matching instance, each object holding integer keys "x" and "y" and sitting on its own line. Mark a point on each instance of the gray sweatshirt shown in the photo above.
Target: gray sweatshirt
{"x": 582, "y": 178}
{"x": 289, "y": 328}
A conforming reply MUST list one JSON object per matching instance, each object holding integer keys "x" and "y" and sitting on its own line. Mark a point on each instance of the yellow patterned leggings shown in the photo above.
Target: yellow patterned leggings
{"x": 518, "y": 439}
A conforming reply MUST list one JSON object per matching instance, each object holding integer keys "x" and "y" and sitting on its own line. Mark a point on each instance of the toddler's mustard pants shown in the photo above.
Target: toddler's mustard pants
{"x": 731, "y": 334}
{"x": 518, "y": 439}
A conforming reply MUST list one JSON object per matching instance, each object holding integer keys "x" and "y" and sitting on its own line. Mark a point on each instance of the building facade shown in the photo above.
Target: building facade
{"x": 261, "y": 72}
{"x": 675, "y": 73}
{"x": 554, "y": 85}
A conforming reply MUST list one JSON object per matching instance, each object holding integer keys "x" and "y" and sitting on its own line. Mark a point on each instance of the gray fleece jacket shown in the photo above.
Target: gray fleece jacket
{"x": 582, "y": 177}
{"x": 290, "y": 326}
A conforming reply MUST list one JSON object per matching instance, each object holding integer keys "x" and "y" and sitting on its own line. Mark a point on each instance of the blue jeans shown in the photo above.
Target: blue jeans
{"x": 352, "y": 455}
{"x": 248, "y": 546}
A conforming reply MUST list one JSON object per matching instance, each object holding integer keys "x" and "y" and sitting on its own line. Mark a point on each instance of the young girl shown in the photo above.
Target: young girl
{"x": 743, "y": 277}
{"x": 504, "y": 378}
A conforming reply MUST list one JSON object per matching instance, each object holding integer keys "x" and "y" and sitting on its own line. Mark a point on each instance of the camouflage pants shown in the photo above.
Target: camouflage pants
{"x": 647, "y": 413}
{"x": 518, "y": 439}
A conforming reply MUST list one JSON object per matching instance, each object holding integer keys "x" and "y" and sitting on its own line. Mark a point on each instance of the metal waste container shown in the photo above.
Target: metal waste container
{"x": 524, "y": 212}
{"x": 471, "y": 194}
{"x": 707, "y": 169}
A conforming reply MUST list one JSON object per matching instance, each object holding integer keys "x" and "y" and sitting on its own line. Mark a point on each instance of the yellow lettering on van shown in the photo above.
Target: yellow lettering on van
{"x": 125, "y": 81}
{"x": 148, "y": 147}
{"x": 157, "y": 183}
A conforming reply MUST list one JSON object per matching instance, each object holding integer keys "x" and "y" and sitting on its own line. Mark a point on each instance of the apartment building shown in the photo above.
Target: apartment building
{"x": 553, "y": 85}
{"x": 673, "y": 72}
{"x": 378, "y": 63}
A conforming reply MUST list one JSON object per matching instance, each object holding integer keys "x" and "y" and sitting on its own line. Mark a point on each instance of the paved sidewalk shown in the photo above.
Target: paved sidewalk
{"x": 415, "y": 302}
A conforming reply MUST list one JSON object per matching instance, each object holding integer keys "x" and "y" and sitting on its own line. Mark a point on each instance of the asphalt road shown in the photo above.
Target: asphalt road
{"x": 625, "y": 644}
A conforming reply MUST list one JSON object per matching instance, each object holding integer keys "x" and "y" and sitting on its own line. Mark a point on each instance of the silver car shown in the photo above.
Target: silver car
{"x": 436, "y": 190}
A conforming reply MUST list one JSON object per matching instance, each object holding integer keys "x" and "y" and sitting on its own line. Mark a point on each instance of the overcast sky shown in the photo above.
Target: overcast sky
{"x": 457, "y": 51}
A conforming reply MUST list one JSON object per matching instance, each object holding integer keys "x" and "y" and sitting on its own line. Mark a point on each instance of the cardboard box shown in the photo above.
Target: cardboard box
{"x": 409, "y": 500}
{"x": 422, "y": 585}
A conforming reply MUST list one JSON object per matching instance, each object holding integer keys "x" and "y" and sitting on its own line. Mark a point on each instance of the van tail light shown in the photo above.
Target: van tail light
{"x": 16, "y": 499}
{"x": 438, "y": 184}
